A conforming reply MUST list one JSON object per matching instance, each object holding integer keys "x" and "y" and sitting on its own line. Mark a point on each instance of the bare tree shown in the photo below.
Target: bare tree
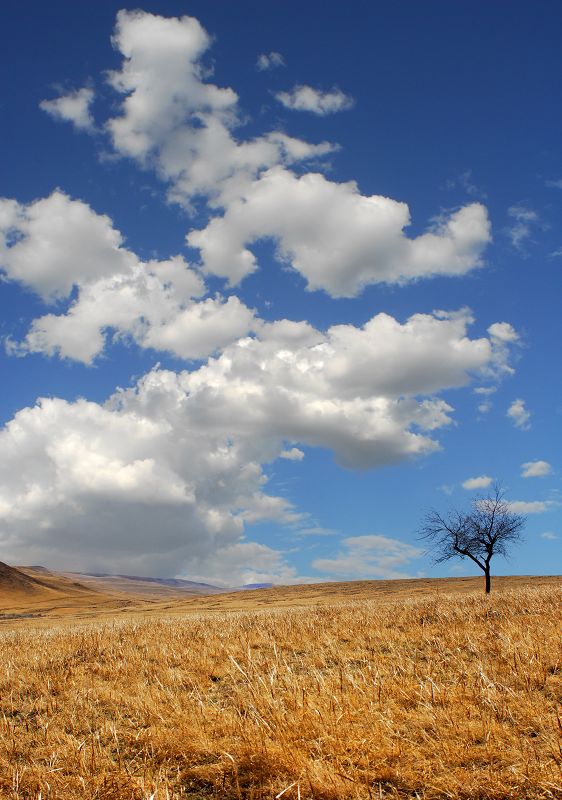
{"x": 490, "y": 528}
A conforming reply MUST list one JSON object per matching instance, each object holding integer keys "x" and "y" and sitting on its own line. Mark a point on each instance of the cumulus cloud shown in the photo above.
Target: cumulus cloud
{"x": 369, "y": 557}
{"x": 57, "y": 245}
{"x": 549, "y": 535}
{"x": 173, "y": 468}
{"x": 110, "y": 487}
{"x": 338, "y": 239}
{"x": 73, "y": 107}
{"x": 267, "y": 61}
{"x": 306, "y": 98}
{"x": 519, "y": 415}
{"x": 481, "y": 482}
{"x": 175, "y": 120}
{"x": 535, "y": 469}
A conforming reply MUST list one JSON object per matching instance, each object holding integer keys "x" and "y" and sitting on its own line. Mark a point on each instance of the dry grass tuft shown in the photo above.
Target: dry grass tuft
{"x": 444, "y": 697}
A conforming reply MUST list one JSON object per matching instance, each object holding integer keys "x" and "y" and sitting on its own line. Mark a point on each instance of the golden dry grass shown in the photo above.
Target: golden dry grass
{"x": 448, "y": 696}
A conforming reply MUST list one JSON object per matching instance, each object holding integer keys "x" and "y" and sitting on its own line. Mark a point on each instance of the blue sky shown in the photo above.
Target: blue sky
{"x": 284, "y": 276}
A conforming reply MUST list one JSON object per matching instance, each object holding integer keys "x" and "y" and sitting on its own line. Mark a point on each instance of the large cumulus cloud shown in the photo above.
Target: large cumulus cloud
{"x": 166, "y": 476}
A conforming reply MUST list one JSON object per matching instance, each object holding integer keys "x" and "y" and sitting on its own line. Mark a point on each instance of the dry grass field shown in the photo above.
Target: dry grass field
{"x": 441, "y": 695}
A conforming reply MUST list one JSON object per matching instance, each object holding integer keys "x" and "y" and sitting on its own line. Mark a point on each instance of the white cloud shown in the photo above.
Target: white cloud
{"x": 267, "y": 61}
{"x": 535, "y": 469}
{"x": 369, "y": 557}
{"x": 549, "y": 535}
{"x": 173, "y": 119}
{"x": 57, "y": 244}
{"x": 481, "y": 482}
{"x": 529, "y": 507}
{"x": 554, "y": 184}
{"x": 336, "y": 238}
{"x": 84, "y": 485}
{"x": 172, "y": 469}
{"x": 305, "y": 98}
{"x": 73, "y": 107}
{"x": 519, "y": 414}
{"x": 294, "y": 454}
{"x": 503, "y": 332}
{"x": 176, "y": 121}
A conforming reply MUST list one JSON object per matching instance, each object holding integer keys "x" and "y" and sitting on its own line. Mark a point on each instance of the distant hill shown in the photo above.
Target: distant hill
{"x": 156, "y": 588}
{"x": 253, "y": 586}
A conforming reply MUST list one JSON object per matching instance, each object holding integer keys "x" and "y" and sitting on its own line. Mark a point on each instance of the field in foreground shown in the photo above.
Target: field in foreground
{"x": 432, "y": 697}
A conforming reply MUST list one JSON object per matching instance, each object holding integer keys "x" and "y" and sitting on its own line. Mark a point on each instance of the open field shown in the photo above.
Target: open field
{"x": 429, "y": 695}
{"x": 70, "y": 597}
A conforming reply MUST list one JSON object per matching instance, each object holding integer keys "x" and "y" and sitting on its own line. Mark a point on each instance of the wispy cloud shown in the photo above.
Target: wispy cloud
{"x": 549, "y": 535}
{"x": 465, "y": 181}
{"x": 369, "y": 557}
{"x": 267, "y": 61}
{"x": 520, "y": 230}
{"x": 316, "y": 530}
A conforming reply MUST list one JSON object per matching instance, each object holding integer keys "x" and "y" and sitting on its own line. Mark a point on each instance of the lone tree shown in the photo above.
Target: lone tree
{"x": 489, "y": 528}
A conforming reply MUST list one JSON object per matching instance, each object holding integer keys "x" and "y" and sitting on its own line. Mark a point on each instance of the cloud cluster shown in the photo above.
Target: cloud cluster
{"x": 306, "y": 98}
{"x": 172, "y": 469}
{"x": 338, "y": 239}
{"x": 60, "y": 247}
{"x": 173, "y": 119}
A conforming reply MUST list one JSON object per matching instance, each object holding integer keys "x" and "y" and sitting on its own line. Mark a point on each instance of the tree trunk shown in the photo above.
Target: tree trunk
{"x": 488, "y": 581}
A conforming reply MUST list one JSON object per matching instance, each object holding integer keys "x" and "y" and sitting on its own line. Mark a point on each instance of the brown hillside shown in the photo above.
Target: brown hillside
{"x": 14, "y": 581}
{"x": 38, "y": 592}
